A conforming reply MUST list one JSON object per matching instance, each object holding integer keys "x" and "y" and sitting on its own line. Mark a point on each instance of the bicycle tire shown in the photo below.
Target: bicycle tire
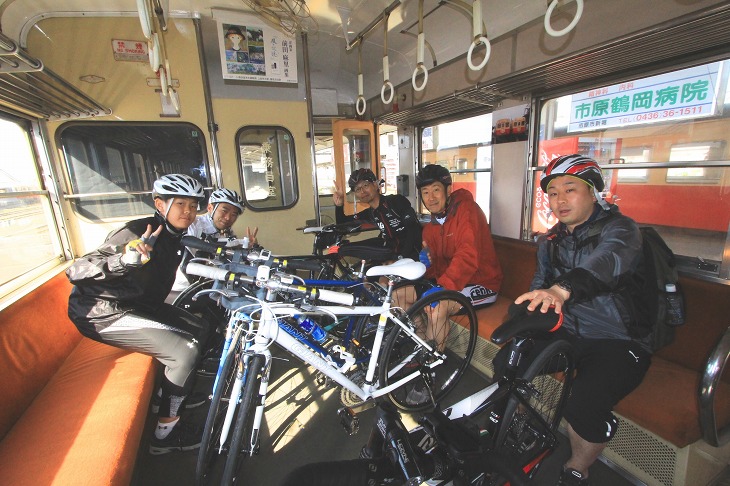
{"x": 460, "y": 338}
{"x": 205, "y": 307}
{"x": 244, "y": 417}
{"x": 208, "y": 454}
{"x": 522, "y": 437}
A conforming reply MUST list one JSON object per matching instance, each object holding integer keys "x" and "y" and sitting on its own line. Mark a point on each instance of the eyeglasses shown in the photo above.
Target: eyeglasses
{"x": 361, "y": 187}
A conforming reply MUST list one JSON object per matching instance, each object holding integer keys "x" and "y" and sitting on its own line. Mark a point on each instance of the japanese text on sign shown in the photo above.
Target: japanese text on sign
{"x": 689, "y": 93}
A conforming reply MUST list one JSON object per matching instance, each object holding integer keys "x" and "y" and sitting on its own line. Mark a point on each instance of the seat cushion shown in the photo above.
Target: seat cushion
{"x": 86, "y": 424}
{"x": 666, "y": 403}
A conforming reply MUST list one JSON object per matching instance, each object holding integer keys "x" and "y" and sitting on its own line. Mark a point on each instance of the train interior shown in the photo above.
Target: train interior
{"x": 282, "y": 99}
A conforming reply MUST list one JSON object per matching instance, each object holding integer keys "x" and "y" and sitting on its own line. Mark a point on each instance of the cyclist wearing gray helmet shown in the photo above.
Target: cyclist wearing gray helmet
{"x": 119, "y": 299}
{"x": 393, "y": 214}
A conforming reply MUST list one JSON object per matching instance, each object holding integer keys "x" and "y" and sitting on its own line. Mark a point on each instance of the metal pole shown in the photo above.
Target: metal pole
{"x": 310, "y": 119}
{"x": 216, "y": 176}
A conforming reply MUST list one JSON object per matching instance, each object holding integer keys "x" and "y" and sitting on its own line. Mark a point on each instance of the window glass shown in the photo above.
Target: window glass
{"x": 463, "y": 147}
{"x": 675, "y": 127}
{"x": 27, "y": 224}
{"x": 325, "y": 161}
{"x": 268, "y": 167}
{"x": 112, "y": 166}
{"x": 389, "y": 158}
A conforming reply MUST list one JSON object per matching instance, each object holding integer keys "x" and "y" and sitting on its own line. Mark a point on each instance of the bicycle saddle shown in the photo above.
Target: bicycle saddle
{"x": 404, "y": 267}
{"x": 521, "y": 321}
{"x": 372, "y": 249}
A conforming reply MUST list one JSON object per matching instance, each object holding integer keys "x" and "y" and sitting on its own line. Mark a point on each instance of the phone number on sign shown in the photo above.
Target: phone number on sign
{"x": 675, "y": 112}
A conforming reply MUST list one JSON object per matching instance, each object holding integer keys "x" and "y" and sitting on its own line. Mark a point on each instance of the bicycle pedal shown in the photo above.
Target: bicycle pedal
{"x": 323, "y": 380}
{"x": 349, "y": 420}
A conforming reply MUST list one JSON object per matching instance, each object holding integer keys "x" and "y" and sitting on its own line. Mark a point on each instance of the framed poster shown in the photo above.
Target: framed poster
{"x": 252, "y": 50}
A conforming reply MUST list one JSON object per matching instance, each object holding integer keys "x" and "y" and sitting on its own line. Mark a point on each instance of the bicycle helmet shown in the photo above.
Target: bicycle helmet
{"x": 433, "y": 173}
{"x": 177, "y": 185}
{"x": 226, "y": 196}
{"x": 575, "y": 165}
{"x": 360, "y": 175}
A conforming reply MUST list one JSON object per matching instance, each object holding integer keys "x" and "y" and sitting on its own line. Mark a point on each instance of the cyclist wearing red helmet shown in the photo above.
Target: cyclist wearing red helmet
{"x": 118, "y": 299}
{"x": 585, "y": 269}
{"x": 393, "y": 214}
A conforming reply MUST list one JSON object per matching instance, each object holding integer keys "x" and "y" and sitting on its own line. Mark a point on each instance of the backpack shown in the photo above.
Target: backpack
{"x": 644, "y": 288}
{"x": 656, "y": 268}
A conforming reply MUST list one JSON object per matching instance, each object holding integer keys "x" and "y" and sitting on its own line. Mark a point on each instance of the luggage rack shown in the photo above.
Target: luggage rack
{"x": 26, "y": 85}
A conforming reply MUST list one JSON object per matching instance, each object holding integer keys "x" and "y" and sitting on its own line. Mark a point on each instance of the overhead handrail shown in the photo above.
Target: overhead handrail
{"x": 360, "y": 97}
{"x": 420, "y": 66}
{"x": 479, "y": 36}
{"x": 708, "y": 389}
{"x": 386, "y": 70}
{"x": 559, "y": 33}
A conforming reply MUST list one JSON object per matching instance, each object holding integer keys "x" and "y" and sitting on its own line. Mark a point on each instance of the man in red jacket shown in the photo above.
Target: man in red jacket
{"x": 457, "y": 243}
{"x": 457, "y": 250}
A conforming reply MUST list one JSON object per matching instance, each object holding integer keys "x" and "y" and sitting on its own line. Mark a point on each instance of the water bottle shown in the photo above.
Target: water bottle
{"x": 318, "y": 334}
{"x": 675, "y": 305}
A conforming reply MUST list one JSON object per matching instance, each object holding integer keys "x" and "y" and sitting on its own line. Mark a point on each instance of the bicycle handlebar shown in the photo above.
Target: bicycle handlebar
{"x": 313, "y": 293}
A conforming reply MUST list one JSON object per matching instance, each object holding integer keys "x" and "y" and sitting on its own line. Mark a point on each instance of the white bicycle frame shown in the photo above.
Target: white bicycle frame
{"x": 268, "y": 331}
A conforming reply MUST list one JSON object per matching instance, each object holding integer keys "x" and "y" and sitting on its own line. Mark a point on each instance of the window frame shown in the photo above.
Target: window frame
{"x": 294, "y": 184}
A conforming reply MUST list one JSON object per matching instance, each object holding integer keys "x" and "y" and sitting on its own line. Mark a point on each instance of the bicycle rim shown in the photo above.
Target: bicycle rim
{"x": 454, "y": 334}
{"x": 527, "y": 433}
{"x": 241, "y": 439}
{"x": 209, "y": 453}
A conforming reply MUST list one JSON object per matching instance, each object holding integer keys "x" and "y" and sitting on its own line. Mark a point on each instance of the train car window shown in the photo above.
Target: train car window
{"x": 325, "y": 161}
{"x": 674, "y": 129}
{"x": 27, "y": 224}
{"x": 464, "y": 147}
{"x": 268, "y": 167}
{"x": 111, "y": 166}
{"x": 389, "y": 158}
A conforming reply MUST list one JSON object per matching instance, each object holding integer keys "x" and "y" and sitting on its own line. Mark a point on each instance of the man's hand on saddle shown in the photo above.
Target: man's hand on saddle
{"x": 545, "y": 298}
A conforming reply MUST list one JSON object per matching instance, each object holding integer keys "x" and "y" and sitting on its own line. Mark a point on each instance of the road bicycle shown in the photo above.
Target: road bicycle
{"x": 254, "y": 326}
{"x": 498, "y": 435}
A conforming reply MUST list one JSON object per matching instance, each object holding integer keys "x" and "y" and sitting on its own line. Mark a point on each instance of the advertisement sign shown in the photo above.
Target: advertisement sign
{"x": 689, "y": 93}
{"x": 252, "y": 50}
{"x": 542, "y": 217}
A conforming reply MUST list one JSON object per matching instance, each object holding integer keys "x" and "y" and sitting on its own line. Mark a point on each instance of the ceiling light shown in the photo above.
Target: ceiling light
{"x": 92, "y": 78}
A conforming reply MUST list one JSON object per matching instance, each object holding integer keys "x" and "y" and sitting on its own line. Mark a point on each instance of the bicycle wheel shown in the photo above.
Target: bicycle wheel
{"x": 527, "y": 434}
{"x": 209, "y": 452}
{"x": 241, "y": 441}
{"x": 204, "y": 307}
{"x": 446, "y": 319}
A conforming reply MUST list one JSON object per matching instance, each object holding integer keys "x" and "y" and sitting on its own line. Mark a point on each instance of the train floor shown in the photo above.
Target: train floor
{"x": 301, "y": 426}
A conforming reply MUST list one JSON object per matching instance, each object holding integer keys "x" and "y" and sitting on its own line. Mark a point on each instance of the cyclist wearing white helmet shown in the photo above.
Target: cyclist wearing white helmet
{"x": 586, "y": 267}
{"x": 224, "y": 208}
{"x": 119, "y": 299}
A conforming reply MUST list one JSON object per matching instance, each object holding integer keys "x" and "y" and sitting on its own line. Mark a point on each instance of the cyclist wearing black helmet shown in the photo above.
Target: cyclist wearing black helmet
{"x": 585, "y": 269}
{"x": 118, "y": 299}
{"x": 457, "y": 243}
{"x": 393, "y": 214}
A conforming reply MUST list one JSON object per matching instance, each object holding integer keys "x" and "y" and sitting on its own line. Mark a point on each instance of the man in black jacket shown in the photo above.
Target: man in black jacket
{"x": 588, "y": 276}
{"x": 393, "y": 214}
{"x": 119, "y": 299}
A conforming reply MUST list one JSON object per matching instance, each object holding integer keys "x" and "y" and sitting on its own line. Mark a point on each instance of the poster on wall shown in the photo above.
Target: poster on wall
{"x": 252, "y": 50}
{"x": 510, "y": 124}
